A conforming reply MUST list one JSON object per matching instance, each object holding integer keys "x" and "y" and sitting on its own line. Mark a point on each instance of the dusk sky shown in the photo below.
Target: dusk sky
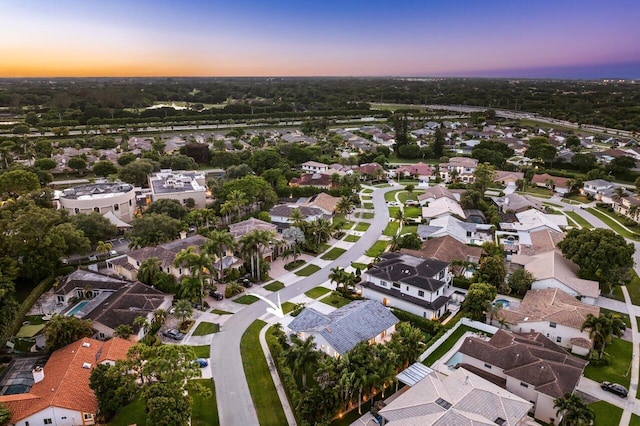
{"x": 539, "y": 38}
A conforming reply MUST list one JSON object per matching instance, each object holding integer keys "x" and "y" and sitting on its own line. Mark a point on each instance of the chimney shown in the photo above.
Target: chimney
{"x": 183, "y": 235}
{"x": 38, "y": 374}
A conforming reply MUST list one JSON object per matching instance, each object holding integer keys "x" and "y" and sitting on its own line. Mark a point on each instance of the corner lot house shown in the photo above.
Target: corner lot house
{"x": 409, "y": 283}
{"x": 340, "y": 331}
{"x": 528, "y": 365}
{"x": 555, "y": 314}
{"x": 61, "y": 395}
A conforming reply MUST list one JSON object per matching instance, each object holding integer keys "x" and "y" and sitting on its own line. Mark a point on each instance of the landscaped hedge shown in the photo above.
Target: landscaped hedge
{"x": 286, "y": 375}
{"x": 428, "y": 326}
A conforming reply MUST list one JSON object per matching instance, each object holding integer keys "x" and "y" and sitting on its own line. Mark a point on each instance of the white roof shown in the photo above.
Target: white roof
{"x": 532, "y": 219}
{"x": 442, "y": 206}
{"x": 115, "y": 220}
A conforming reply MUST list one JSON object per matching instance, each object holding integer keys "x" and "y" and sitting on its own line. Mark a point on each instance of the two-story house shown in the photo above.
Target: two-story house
{"x": 458, "y": 168}
{"x": 409, "y": 283}
{"x": 527, "y": 364}
{"x": 599, "y": 189}
{"x": 314, "y": 167}
{"x": 282, "y": 214}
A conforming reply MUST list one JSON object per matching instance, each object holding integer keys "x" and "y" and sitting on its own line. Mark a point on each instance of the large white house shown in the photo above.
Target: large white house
{"x": 527, "y": 364}
{"x": 60, "y": 395}
{"x": 340, "y": 331}
{"x": 180, "y": 186}
{"x": 553, "y": 313}
{"x": 100, "y": 197}
{"x": 409, "y": 283}
{"x": 461, "y": 168}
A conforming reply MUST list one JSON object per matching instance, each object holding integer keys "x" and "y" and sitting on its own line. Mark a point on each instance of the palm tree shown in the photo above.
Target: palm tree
{"x": 602, "y": 328}
{"x": 322, "y": 229}
{"x": 297, "y": 219}
{"x": 142, "y": 323}
{"x": 407, "y": 341}
{"x": 237, "y": 199}
{"x": 395, "y": 241}
{"x": 251, "y": 244}
{"x": 344, "y": 206}
{"x": 149, "y": 271}
{"x": 294, "y": 236}
{"x": 197, "y": 262}
{"x": 183, "y": 310}
{"x": 159, "y": 316}
{"x": 399, "y": 216}
{"x": 103, "y": 248}
{"x": 302, "y": 355}
{"x": 338, "y": 276}
{"x": 573, "y": 410}
{"x": 219, "y": 243}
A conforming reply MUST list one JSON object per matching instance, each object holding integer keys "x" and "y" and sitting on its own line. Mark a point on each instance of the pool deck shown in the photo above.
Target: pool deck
{"x": 441, "y": 364}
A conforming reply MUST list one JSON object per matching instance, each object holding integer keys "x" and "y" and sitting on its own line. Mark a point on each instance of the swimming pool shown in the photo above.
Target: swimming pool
{"x": 77, "y": 308}
{"x": 454, "y": 360}
{"x": 505, "y": 303}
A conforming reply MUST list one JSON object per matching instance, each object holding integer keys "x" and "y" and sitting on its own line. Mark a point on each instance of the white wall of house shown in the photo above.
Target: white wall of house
{"x": 560, "y": 333}
{"x": 395, "y": 302}
{"x": 121, "y": 204}
{"x": 59, "y": 417}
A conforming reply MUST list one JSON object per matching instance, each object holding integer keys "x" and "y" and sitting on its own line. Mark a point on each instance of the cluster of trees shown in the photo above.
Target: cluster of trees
{"x": 339, "y": 383}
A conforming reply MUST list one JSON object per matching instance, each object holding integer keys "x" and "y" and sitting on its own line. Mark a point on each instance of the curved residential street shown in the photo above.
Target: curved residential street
{"x": 235, "y": 405}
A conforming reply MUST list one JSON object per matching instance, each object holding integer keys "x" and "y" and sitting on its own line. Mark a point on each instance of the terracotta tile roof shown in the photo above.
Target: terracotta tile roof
{"x": 114, "y": 349}
{"x": 324, "y": 201}
{"x": 65, "y": 383}
{"x": 419, "y": 169}
{"x": 312, "y": 179}
{"x": 541, "y": 241}
{"x": 166, "y": 253}
{"x": 446, "y": 249}
{"x": 559, "y": 182}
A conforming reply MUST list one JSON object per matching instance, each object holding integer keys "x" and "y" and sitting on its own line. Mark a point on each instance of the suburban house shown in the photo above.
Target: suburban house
{"x": 314, "y": 167}
{"x": 180, "y": 186}
{"x": 529, "y": 243}
{"x": 409, "y": 283}
{"x": 340, "y": 331}
{"x": 83, "y": 284}
{"x": 628, "y": 205}
{"x": 435, "y": 192}
{"x": 421, "y": 171}
{"x": 128, "y": 264}
{"x": 460, "y": 168}
{"x": 448, "y": 249}
{"x": 61, "y": 395}
{"x": 527, "y": 364}
{"x": 552, "y": 270}
{"x": 554, "y": 313}
{"x": 507, "y": 178}
{"x": 370, "y": 170}
{"x": 554, "y": 183}
{"x": 533, "y": 220}
{"x": 599, "y": 189}
{"x": 465, "y": 232}
{"x": 441, "y": 207}
{"x": 101, "y": 197}
{"x": 325, "y": 202}
{"x": 282, "y": 214}
{"x": 461, "y": 398}
{"x": 318, "y": 180}
{"x": 516, "y": 203}
{"x": 238, "y": 230}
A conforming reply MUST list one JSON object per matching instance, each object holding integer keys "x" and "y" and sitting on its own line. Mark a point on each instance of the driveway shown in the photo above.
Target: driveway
{"x": 235, "y": 405}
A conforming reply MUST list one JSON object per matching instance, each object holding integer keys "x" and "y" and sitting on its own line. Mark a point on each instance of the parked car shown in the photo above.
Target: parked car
{"x": 202, "y": 362}
{"x": 216, "y": 294}
{"x": 411, "y": 203}
{"x": 112, "y": 253}
{"x": 615, "y": 388}
{"x": 173, "y": 334}
{"x": 245, "y": 282}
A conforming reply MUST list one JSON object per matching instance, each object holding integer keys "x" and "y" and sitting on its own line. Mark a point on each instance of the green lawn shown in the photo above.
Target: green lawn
{"x": 357, "y": 265}
{"x": 366, "y": 215}
{"x": 607, "y": 218}
{"x": 221, "y": 312}
{"x": 446, "y": 345}
{"x": 134, "y": 413}
{"x": 204, "y": 411}
{"x": 367, "y": 191}
{"x": 404, "y": 196}
{"x": 409, "y": 229}
{"x": 295, "y": 264}
{"x": 203, "y": 351}
{"x": 393, "y": 211}
{"x": 333, "y": 254}
{"x": 539, "y": 191}
{"x": 288, "y": 307}
{"x": 377, "y": 248}
{"x": 606, "y": 414}
{"x": 620, "y": 352}
{"x": 367, "y": 206}
{"x": 579, "y": 219}
{"x": 391, "y": 229}
{"x": 635, "y": 420}
{"x": 351, "y": 238}
{"x": 412, "y": 211}
{"x": 246, "y": 299}
{"x": 335, "y": 300}
{"x": 316, "y": 292}
{"x": 308, "y": 270}
{"x": 546, "y": 203}
{"x": 576, "y": 197}
{"x": 391, "y": 195}
{"x": 274, "y": 286}
{"x": 362, "y": 226}
{"x": 342, "y": 223}
{"x": 633, "y": 287}
{"x": 263, "y": 392}
{"x": 205, "y": 328}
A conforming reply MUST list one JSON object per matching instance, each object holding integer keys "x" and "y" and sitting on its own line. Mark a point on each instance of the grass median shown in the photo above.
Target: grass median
{"x": 377, "y": 248}
{"x": 308, "y": 270}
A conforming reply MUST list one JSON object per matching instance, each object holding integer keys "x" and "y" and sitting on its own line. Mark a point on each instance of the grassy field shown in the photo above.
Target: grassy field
{"x": 263, "y": 392}
{"x": 351, "y": 238}
{"x": 246, "y": 299}
{"x": 362, "y": 226}
{"x": 308, "y": 270}
{"x": 342, "y": 223}
{"x": 288, "y": 307}
{"x": 635, "y": 420}
{"x": 204, "y": 411}
{"x": 377, "y": 248}
{"x": 607, "y": 218}
{"x": 606, "y": 414}
{"x": 576, "y": 197}
{"x": 316, "y": 292}
{"x": 446, "y": 345}
{"x": 391, "y": 229}
{"x": 405, "y": 195}
{"x": 620, "y": 352}
{"x": 578, "y": 219}
{"x": 205, "y": 328}
{"x": 333, "y": 254}
{"x": 367, "y": 191}
{"x": 335, "y": 300}
{"x": 537, "y": 191}
{"x": 633, "y": 287}
{"x": 274, "y": 286}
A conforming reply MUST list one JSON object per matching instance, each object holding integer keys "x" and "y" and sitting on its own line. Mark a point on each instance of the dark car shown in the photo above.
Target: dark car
{"x": 202, "y": 363}
{"x": 173, "y": 334}
{"x": 245, "y": 282}
{"x": 615, "y": 388}
{"x": 216, "y": 294}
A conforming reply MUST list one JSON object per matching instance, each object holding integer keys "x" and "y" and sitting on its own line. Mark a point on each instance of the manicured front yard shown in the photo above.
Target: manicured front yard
{"x": 367, "y": 206}
{"x": 409, "y": 229}
{"x": 308, "y": 270}
{"x": 391, "y": 195}
{"x": 405, "y": 195}
{"x": 606, "y": 414}
{"x": 635, "y": 420}
{"x": 295, "y": 264}
{"x": 581, "y": 221}
{"x": 221, "y": 312}
{"x": 316, "y": 292}
{"x": 377, "y": 248}
{"x": 288, "y": 307}
{"x": 608, "y": 219}
{"x": 391, "y": 229}
{"x": 412, "y": 211}
{"x": 333, "y": 254}
{"x": 263, "y": 392}
{"x": 204, "y": 410}
{"x": 620, "y": 352}
{"x": 351, "y": 238}
{"x": 205, "y": 328}
{"x": 274, "y": 286}
{"x": 203, "y": 351}
{"x": 362, "y": 226}
{"x": 335, "y": 300}
{"x": 366, "y": 215}
{"x": 246, "y": 299}
{"x": 633, "y": 287}
{"x": 357, "y": 265}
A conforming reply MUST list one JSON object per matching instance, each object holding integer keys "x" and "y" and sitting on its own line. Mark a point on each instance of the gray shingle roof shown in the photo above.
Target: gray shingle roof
{"x": 344, "y": 328}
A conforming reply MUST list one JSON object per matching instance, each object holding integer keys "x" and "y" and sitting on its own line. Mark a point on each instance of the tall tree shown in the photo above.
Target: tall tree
{"x": 573, "y": 410}
{"x": 62, "y": 330}
{"x": 602, "y": 328}
{"x": 252, "y": 244}
{"x": 218, "y": 244}
{"x": 302, "y": 355}
{"x": 150, "y": 271}
{"x": 478, "y": 300}
{"x": 113, "y": 387}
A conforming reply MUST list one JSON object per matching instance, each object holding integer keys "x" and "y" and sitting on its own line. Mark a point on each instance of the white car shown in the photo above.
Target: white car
{"x": 393, "y": 204}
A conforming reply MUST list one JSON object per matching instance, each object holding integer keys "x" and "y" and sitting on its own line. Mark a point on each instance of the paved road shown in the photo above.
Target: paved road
{"x": 232, "y": 392}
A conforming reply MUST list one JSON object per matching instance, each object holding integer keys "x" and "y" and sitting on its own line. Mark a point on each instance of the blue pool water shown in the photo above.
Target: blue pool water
{"x": 77, "y": 308}
{"x": 454, "y": 360}
{"x": 505, "y": 303}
